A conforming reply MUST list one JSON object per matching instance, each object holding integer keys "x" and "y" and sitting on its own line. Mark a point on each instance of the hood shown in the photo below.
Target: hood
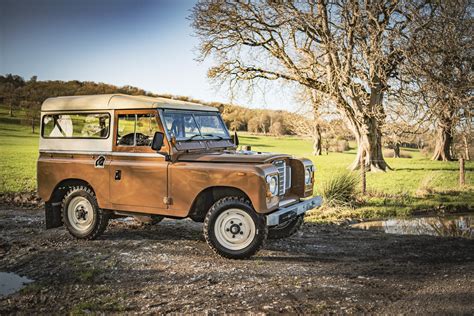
{"x": 234, "y": 157}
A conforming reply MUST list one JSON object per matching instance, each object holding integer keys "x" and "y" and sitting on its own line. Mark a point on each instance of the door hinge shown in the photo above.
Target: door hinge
{"x": 167, "y": 200}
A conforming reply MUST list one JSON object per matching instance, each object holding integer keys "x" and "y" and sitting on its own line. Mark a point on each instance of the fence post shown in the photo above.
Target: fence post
{"x": 462, "y": 174}
{"x": 362, "y": 174}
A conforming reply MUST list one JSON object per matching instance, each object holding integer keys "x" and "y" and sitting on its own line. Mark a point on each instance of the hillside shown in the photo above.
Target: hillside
{"x": 27, "y": 95}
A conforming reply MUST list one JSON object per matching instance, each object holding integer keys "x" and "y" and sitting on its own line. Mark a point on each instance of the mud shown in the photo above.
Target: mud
{"x": 169, "y": 268}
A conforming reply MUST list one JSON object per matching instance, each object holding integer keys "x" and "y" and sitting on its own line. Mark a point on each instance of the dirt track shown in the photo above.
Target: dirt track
{"x": 169, "y": 268}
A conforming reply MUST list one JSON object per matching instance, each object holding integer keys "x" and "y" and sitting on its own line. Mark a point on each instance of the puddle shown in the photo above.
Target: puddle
{"x": 11, "y": 283}
{"x": 449, "y": 226}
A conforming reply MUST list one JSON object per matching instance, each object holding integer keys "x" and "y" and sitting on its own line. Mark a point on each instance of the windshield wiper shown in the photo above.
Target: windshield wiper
{"x": 203, "y": 135}
{"x": 191, "y": 138}
{"x": 212, "y": 135}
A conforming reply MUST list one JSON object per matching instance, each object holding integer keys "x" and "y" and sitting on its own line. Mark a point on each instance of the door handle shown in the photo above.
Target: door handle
{"x": 118, "y": 174}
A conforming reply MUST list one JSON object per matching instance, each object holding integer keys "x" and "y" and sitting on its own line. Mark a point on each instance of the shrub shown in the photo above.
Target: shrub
{"x": 340, "y": 190}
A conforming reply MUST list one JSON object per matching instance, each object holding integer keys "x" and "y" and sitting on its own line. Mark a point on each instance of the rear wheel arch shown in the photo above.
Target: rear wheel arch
{"x": 207, "y": 197}
{"x": 53, "y": 205}
{"x": 62, "y": 187}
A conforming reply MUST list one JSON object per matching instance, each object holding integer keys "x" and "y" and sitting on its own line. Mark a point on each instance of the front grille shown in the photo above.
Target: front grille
{"x": 284, "y": 176}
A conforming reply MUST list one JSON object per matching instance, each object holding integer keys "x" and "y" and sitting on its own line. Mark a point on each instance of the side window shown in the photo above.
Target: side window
{"x": 136, "y": 129}
{"x": 76, "y": 125}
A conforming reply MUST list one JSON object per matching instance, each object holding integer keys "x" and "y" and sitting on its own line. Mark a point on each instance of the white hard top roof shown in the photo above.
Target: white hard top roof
{"x": 118, "y": 101}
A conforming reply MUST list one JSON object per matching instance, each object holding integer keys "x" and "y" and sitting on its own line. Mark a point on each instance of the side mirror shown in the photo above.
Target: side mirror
{"x": 157, "y": 142}
{"x": 235, "y": 139}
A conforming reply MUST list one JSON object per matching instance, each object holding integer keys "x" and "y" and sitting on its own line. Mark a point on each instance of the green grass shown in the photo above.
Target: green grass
{"x": 18, "y": 154}
{"x": 406, "y": 176}
{"x": 415, "y": 184}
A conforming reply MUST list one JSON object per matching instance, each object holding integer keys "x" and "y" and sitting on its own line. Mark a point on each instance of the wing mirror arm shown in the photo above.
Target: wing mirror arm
{"x": 235, "y": 139}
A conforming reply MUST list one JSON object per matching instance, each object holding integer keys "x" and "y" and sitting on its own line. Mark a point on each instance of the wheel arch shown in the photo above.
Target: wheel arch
{"x": 208, "y": 196}
{"x": 53, "y": 205}
{"x": 61, "y": 188}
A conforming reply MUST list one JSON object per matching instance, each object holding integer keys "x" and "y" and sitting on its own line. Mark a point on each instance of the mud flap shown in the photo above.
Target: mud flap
{"x": 53, "y": 215}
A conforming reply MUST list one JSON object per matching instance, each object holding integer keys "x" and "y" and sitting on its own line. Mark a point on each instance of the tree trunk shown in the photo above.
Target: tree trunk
{"x": 10, "y": 112}
{"x": 444, "y": 138}
{"x": 317, "y": 142}
{"x": 369, "y": 145}
{"x": 396, "y": 150}
{"x": 467, "y": 156}
{"x": 33, "y": 125}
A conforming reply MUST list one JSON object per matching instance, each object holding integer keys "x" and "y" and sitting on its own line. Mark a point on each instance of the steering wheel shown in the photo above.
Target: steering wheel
{"x": 143, "y": 140}
{"x": 127, "y": 140}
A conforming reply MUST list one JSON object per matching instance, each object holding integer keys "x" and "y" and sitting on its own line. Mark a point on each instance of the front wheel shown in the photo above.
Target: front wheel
{"x": 286, "y": 229}
{"x": 233, "y": 229}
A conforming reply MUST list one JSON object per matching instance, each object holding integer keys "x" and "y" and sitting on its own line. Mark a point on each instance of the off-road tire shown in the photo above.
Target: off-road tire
{"x": 287, "y": 229}
{"x": 243, "y": 204}
{"x": 101, "y": 217}
{"x": 149, "y": 220}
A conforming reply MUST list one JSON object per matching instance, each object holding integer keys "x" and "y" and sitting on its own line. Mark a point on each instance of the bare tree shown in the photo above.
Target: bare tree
{"x": 346, "y": 50}
{"x": 302, "y": 125}
{"x": 466, "y": 127}
{"x": 311, "y": 103}
{"x": 439, "y": 66}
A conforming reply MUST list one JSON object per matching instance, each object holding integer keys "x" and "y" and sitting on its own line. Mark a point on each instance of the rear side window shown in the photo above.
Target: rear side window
{"x": 76, "y": 125}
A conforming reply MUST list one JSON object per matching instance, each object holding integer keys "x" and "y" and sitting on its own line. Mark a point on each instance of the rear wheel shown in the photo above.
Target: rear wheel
{"x": 233, "y": 229}
{"x": 81, "y": 214}
{"x": 286, "y": 229}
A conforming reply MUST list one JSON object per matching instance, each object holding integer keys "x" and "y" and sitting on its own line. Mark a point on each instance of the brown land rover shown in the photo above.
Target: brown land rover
{"x": 105, "y": 156}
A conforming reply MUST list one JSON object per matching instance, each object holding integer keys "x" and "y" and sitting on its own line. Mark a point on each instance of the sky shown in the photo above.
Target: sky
{"x": 144, "y": 43}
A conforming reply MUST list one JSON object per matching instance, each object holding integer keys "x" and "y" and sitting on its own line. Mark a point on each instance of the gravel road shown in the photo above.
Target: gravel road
{"x": 169, "y": 268}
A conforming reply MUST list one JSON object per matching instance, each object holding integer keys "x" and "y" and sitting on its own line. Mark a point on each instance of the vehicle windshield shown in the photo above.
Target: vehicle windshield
{"x": 186, "y": 125}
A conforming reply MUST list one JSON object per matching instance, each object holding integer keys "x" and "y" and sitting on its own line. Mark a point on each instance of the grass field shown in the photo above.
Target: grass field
{"x": 18, "y": 154}
{"x": 405, "y": 178}
{"x": 393, "y": 193}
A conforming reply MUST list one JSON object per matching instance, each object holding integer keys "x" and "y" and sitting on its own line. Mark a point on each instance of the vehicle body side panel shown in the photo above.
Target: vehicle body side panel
{"x": 142, "y": 183}
{"x": 54, "y": 168}
{"x": 188, "y": 179}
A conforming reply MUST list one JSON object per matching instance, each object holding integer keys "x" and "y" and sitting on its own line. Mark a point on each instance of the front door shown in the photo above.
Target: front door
{"x": 138, "y": 175}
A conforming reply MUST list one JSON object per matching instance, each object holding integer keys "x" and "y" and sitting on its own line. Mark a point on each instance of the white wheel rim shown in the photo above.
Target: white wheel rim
{"x": 80, "y": 213}
{"x": 234, "y": 229}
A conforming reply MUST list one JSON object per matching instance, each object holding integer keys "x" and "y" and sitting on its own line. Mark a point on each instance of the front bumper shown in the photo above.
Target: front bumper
{"x": 287, "y": 213}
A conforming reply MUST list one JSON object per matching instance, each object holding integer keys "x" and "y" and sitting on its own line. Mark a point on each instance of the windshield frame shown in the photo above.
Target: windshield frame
{"x": 201, "y": 136}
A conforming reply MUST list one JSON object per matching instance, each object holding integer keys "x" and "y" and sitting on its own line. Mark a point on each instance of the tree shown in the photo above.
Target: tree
{"x": 252, "y": 125}
{"x": 466, "y": 132}
{"x": 276, "y": 128}
{"x": 439, "y": 66}
{"x": 346, "y": 50}
{"x": 9, "y": 90}
{"x": 311, "y": 101}
{"x": 33, "y": 110}
{"x": 304, "y": 126}
{"x": 264, "y": 121}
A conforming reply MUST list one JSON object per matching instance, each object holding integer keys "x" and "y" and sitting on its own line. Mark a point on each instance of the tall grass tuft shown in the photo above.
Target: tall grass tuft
{"x": 426, "y": 186}
{"x": 340, "y": 190}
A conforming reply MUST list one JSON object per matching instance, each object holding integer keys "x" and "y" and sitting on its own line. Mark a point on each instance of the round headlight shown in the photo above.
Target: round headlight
{"x": 273, "y": 184}
{"x": 307, "y": 176}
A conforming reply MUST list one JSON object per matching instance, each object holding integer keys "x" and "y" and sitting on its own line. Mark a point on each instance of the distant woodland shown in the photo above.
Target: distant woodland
{"x": 19, "y": 94}
{"x": 328, "y": 131}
